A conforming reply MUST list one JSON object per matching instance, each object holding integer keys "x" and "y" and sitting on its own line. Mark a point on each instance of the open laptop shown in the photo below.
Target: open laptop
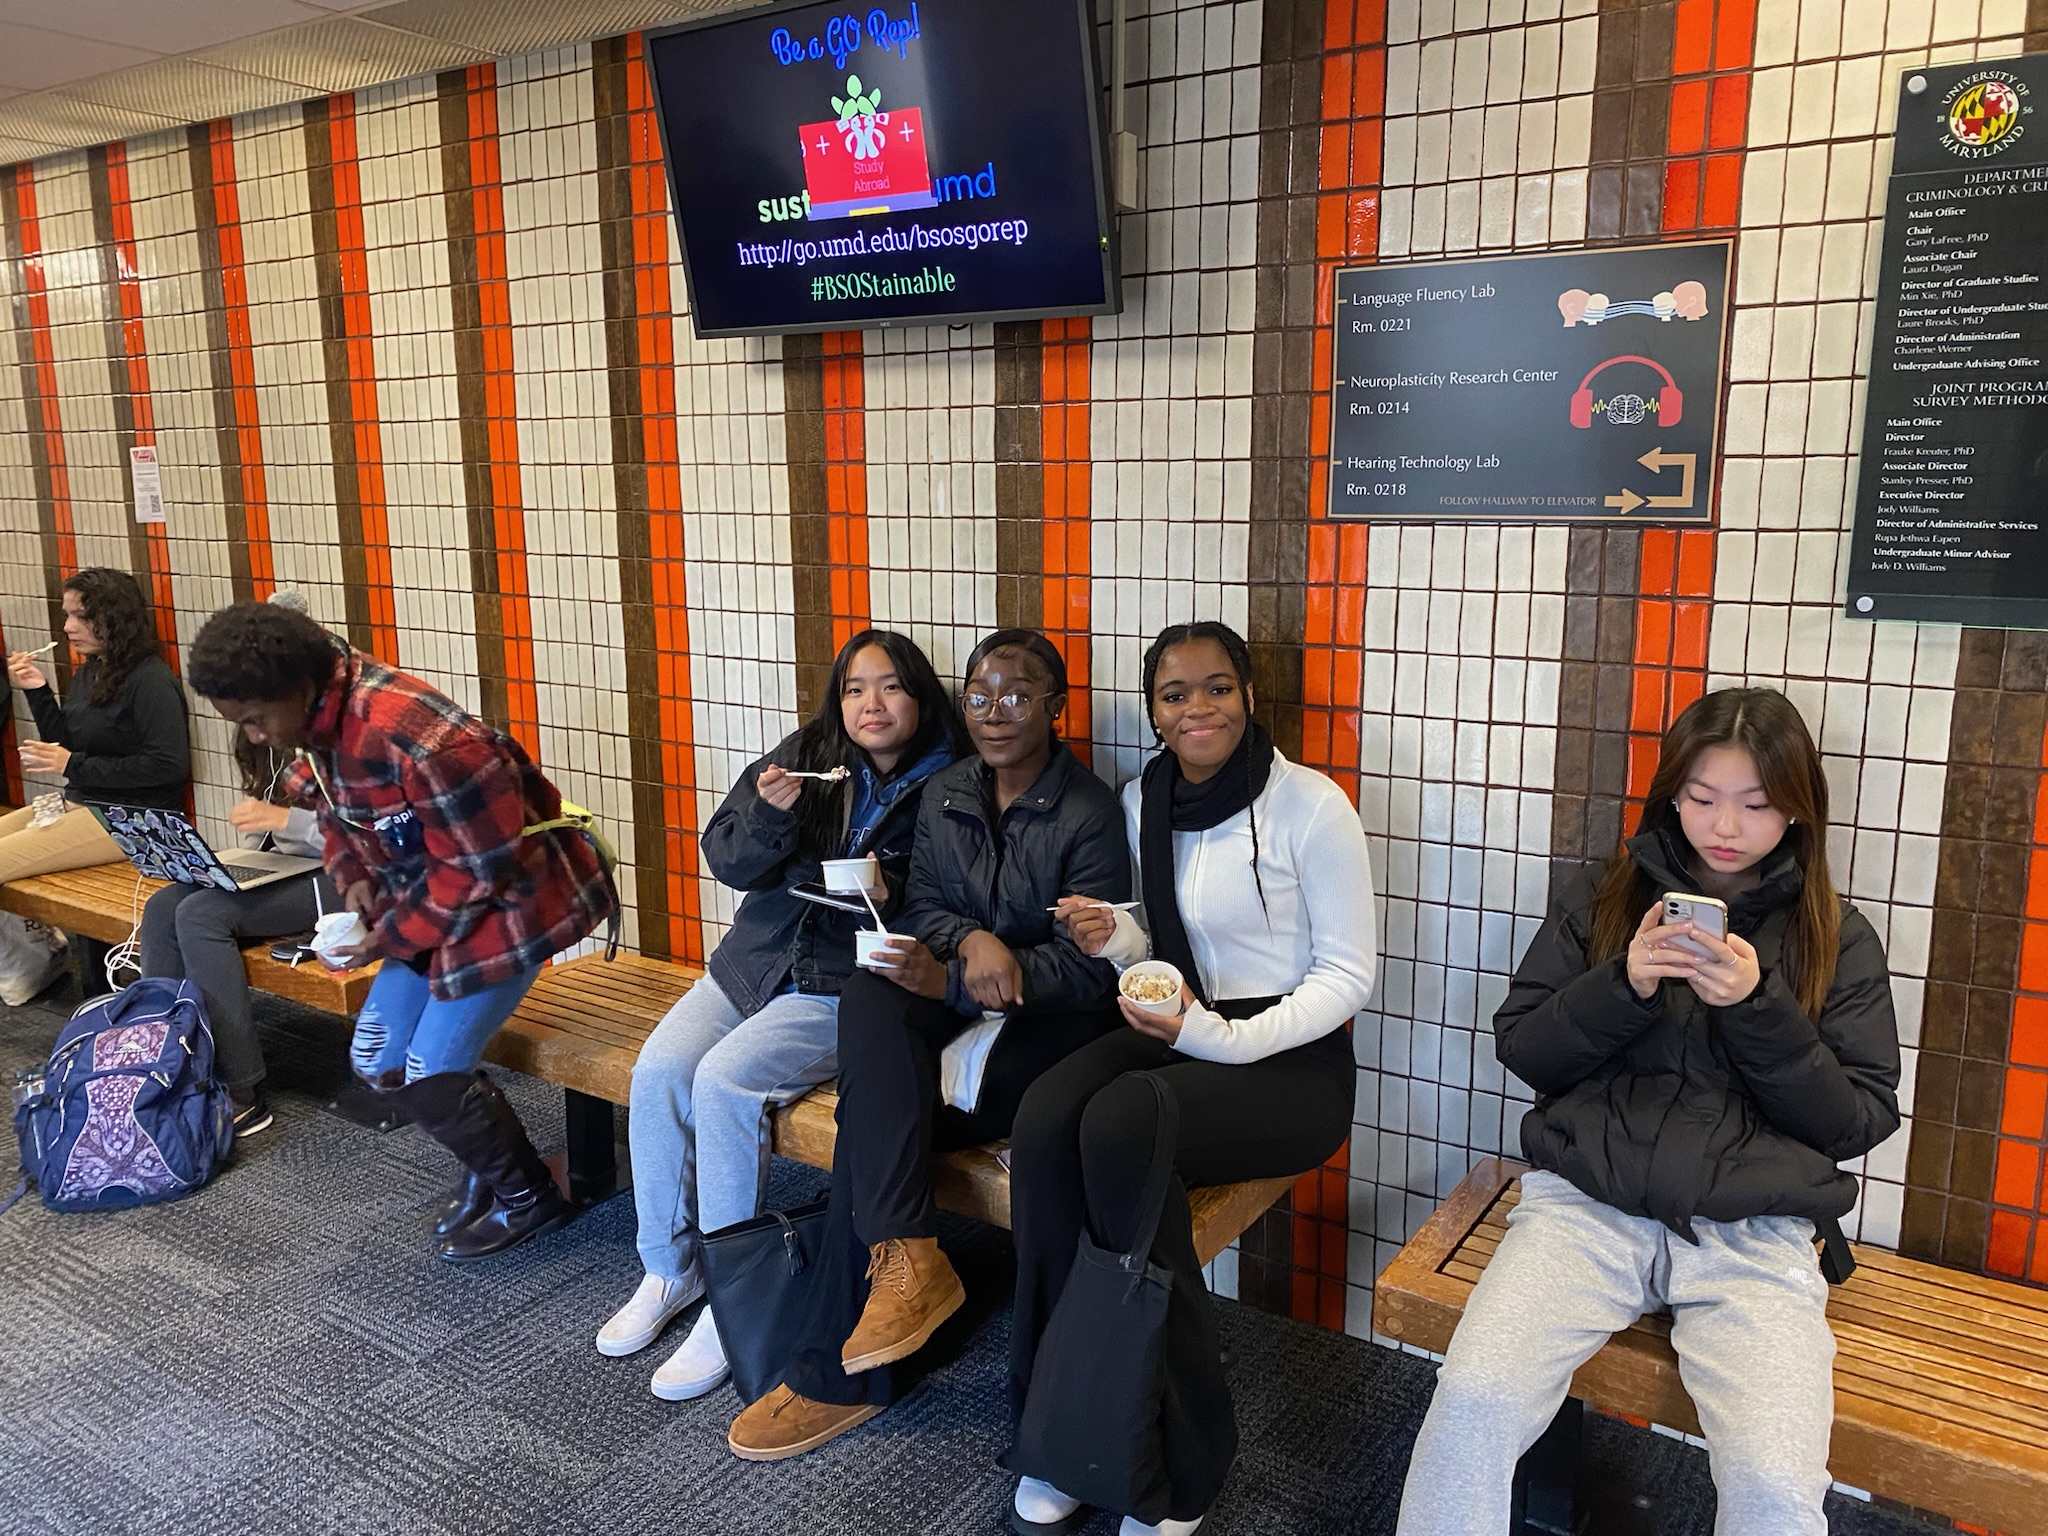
{"x": 165, "y": 846}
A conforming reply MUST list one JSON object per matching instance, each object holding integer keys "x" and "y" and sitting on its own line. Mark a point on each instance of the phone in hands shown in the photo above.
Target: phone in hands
{"x": 1706, "y": 913}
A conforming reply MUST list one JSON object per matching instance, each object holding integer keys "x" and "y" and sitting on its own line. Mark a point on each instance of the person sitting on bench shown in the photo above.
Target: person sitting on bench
{"x": 763, "y": 1025}
{"x": 983, "y": 968}
{"x": 1257, "y": 888}
{"x": 456, "y": 852}
{"x": 1694, "y": 1098}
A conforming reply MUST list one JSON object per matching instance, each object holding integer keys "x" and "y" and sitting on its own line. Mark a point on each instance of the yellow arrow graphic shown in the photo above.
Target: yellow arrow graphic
{"x": 1627, "y": 501}
{"x": 1657, "y": 459}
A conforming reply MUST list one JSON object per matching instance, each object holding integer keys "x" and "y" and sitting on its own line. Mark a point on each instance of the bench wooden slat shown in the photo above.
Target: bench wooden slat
{"x": 1941, "y": 1377}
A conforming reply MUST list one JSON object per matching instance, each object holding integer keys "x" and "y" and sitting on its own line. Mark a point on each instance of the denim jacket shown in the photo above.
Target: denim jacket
{"x": 778, "y": 940}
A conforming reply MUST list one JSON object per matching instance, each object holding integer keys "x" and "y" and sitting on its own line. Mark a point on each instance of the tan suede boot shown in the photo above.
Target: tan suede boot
{"x": 784, "y": 1424}
{"x": 913, "y": 1289}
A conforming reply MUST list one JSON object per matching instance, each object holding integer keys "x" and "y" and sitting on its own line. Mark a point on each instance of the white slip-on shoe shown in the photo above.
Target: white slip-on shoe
{"x": 696, "y": 1368}
{"x": 1134, "y": 1527}
{"x": 1040, "y": 1509}
{"x": 654, "y": 1306}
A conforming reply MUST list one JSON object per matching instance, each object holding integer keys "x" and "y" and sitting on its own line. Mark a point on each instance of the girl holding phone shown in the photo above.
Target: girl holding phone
{"x": 1695, "y": 1097}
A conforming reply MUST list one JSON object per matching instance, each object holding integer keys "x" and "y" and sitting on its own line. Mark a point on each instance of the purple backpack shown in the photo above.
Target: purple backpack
{"x": 128, "y": 1111}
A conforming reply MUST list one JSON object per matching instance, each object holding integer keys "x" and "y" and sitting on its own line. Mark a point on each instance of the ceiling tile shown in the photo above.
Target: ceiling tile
{"x": 32, "y": 59}
{"x": 341, "y": 54}
{"x": 161, "y": 27}
{"x": 13, "y": 150}
{"x": 186, "y": 90}
{"x": 74, "y": 124}
{"x": 503, "y": 28}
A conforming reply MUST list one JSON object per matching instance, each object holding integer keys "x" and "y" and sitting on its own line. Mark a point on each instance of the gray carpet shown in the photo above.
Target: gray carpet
{"x": 280, "y": 1352}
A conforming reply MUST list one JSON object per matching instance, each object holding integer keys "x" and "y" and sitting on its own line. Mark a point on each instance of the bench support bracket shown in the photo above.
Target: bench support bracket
{"x": 1545, "y": 1479}
{"x": 593, "y": 1160}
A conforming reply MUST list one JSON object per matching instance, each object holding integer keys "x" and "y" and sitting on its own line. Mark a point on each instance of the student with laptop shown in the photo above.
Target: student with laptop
{"x": 458, "y": 856}
{"x": 196, "y": 930}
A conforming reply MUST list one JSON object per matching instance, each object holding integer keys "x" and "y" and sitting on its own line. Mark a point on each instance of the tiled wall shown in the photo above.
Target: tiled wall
{"x": 423, "y": 353}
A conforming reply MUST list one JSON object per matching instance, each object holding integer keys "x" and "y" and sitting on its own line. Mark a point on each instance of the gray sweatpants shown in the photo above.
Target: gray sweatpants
{"x": 1748, "y": 1319}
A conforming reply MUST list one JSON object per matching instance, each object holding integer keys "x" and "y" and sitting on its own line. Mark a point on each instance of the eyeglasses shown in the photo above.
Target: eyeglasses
{"x": 1012, "y": 706}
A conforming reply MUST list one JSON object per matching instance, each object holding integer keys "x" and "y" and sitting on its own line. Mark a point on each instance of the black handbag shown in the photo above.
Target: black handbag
{"x": 1090, "y": 1425}
{"x": 759, "y": 1275}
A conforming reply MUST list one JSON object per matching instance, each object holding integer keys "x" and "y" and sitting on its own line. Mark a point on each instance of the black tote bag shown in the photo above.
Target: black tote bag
{"x": 1090, "y": 1425}
{"x": 759, "y": 1275}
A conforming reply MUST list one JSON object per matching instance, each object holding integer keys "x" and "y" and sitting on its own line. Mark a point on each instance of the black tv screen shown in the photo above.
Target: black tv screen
{"x": 919, "y": 161}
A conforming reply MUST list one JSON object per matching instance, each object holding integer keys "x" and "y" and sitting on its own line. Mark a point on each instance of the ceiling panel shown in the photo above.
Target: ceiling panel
{"x": 31, "y": 59}
{"x": 166, "y": 26}
{"x": 502, "y": 28}
{"x": 49, "y": 118}
{"x": 341, "y": 54}
{"x": 185, "y": 90}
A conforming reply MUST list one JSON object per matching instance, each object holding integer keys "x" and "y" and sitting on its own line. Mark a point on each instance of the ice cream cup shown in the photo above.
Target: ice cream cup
{"x": 1146, "y": 975}
{"x": 849, "y": 877}
{"x": 868, "y": 951}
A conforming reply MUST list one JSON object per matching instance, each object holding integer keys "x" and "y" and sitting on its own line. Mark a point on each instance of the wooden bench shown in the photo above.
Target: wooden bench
{"x": 1941, "y": 1377}
{"x": 584, "y": 1021}
{"x": 105, "y": 902}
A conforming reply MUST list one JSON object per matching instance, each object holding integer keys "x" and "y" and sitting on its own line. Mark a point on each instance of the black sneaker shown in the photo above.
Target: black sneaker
{"x": 252, "y": 1117}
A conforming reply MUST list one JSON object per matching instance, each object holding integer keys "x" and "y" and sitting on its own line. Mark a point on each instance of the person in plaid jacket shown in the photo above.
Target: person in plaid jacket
{"x": 432, "y": 827}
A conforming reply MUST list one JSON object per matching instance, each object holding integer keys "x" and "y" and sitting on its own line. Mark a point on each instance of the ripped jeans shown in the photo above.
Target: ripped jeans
{"x": 405, "y": 1033}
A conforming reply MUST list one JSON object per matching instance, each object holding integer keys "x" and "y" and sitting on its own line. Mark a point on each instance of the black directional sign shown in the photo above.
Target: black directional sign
{"x": 1584, "y": 386}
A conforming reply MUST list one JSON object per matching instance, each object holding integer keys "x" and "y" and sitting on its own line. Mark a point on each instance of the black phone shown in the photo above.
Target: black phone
{"x": 814, "y": 892}
{"x": 292, "y": 950}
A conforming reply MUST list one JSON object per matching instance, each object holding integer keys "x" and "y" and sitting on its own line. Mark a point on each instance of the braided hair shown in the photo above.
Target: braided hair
{"x": 1240, "y": 657}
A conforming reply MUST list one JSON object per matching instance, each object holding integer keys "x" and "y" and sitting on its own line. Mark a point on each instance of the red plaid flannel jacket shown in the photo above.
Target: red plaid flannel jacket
{"x": 427, "y": 805}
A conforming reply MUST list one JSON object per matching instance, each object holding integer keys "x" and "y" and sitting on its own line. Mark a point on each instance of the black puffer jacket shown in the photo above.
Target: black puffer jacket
{"x": 1673, "y": 1109}
{"x": 777, "y": 939}
{"x": 972, "y": 869}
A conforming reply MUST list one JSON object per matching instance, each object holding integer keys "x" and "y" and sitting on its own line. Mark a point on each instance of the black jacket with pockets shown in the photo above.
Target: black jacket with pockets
{"x": 974, "y": 870}
{"x": 776, "y": 939}
{"x": 136, "y": 749}
{"x": 1672, "y": 1109}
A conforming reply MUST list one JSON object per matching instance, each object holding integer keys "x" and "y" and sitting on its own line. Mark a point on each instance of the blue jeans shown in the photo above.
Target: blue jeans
{"x": 699, "y": 1120}
{"x": 404, "y": 1028}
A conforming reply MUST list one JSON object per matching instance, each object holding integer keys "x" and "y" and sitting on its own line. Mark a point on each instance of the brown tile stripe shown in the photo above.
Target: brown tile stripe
{"x": 640, "y": 367}
{"x": 39, "y": 398}
{"x": 1595, "y": 686}
{"x": 349, "y": 357}
{"x": 1631, "y": 120}
{"x": 1987, "y": 834}
{"x": 1020, "y": 475}
{"x": 486, "y": 400}
{"x": 113, "y": 227}
{"x": 810, "y": 558}
{"x": 230, "y": 359}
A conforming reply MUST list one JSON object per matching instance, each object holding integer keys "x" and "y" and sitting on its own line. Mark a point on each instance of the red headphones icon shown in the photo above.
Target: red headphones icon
{"x": 1670, "y": 403}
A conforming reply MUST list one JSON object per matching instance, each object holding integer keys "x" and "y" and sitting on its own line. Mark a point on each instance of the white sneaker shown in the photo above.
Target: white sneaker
{"x": 654, "y": 1306}
{"x": 1134, "y": 1527}
{"x": 695, "y": 1368}
{"x": 1039, "y": 1504}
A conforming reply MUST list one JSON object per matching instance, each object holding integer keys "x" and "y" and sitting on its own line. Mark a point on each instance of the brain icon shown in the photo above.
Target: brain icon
{"x": 1626, "y": 410}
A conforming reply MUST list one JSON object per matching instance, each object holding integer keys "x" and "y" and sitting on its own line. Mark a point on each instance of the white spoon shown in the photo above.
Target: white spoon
{"x": 829, "y": 776}
{"x": 1113, "y": 906}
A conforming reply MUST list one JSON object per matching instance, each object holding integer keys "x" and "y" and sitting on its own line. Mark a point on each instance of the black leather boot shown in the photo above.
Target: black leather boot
{"x": 469, "y": 1116}
{"x": 466, "y": 1201}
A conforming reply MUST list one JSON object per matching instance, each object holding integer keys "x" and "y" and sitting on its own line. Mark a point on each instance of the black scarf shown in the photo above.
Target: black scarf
{"x": 1168, "y": 804}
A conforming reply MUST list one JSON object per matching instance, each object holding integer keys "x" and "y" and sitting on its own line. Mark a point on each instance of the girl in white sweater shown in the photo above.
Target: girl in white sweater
{"x": 1256, "y": 886}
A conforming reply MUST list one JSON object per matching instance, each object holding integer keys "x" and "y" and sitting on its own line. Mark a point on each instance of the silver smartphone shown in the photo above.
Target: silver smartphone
{"x": 1706, "y": 913}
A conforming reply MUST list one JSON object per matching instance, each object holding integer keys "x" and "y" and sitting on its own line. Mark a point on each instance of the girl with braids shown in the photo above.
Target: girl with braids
{"x": 1694, "y": 1100}
{"x": 1256, "y": 887}
{"x": 119, "y": 738}
{"x": 762, "y": 1027}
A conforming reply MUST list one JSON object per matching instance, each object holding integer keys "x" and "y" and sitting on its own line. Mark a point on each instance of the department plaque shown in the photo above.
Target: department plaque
{"x": 1953, "y": 482}
{"x": 1580, "y": 386}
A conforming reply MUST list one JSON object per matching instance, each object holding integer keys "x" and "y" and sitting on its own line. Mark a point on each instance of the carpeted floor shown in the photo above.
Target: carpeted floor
{"x": 281, "y": 1353}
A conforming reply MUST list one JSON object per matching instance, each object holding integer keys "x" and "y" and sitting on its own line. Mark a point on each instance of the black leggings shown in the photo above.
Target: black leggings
{"x": 891, "y": 1122}
{"x": 1080, "y": 1150}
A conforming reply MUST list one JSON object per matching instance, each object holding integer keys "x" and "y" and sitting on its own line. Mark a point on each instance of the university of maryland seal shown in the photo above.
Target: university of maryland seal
{"x": 1980, "y": 116}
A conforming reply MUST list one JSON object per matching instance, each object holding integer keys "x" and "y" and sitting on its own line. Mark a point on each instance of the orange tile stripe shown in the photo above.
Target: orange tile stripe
{"x": 361, "y": 355}
{"x": 846, "y": 482}
{"x": 1711, "y": 56}
{"x": 656, "y": 321}
{"x": 234, "y": 283}
{"x": 501, "y": 408}
{"x": 1064, "y": 394}
{"x": 1332, "y": 681}
{"x": 45, "y": 418}
{"x": 135, "y": 355}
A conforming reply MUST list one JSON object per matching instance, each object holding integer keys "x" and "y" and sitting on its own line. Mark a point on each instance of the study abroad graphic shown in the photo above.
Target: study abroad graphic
{"x": 868, "y": 159}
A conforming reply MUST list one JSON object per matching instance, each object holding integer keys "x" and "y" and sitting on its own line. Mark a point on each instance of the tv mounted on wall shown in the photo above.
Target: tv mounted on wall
{"x": 915, "y": 162}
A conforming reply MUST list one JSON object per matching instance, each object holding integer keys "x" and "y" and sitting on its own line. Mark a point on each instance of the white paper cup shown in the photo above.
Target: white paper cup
{"x": 868, "y": 950}
{"x": 338, "y": 930}
{"x": 849, "y": 877}
{"x": 1144, "y": 969}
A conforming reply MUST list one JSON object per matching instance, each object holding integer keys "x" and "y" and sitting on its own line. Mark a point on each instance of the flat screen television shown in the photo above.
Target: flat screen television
{"x": 916, "y": 162}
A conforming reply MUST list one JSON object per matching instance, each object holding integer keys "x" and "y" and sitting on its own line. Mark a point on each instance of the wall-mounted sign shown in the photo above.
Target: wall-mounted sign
{"x": 1584, "y": 386}
{"x": 1953, "y": 488}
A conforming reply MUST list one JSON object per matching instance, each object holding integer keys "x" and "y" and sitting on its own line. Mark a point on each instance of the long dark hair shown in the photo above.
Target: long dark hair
{"x": 1240, "y": 658}
{"x": 1763, "y": 723}
{"x": 822, "y": 743}
{"x": 111, "y": 602}
{"x": 259, "y": 767}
